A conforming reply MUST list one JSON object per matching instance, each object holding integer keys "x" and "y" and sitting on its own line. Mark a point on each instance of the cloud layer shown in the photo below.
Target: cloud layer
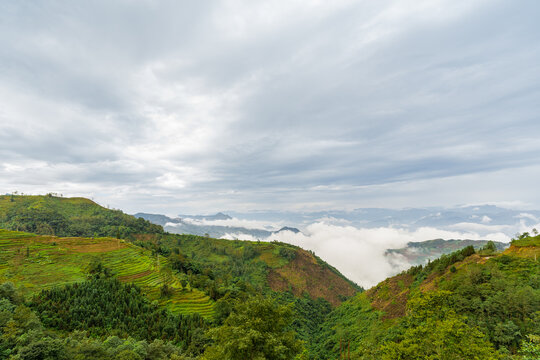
{"x": 200, "y": 106}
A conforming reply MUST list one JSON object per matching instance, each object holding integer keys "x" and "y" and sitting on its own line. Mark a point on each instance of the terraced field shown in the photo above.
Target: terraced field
{"x": 39, "y": 262}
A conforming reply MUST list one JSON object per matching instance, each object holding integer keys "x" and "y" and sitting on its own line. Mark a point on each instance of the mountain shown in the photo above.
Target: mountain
{"x": 264, "y": 266}
{"x": 484, "y": 220}
{"x": 158, "y": 219}
{"x": 149, "y": 294}
{"x": 218, "y": 216}
{"x": 199, "y": 225}
{"x": 288, "y": 228}
{"x": 468, "y": 304}
{"x": 419, "y": 253}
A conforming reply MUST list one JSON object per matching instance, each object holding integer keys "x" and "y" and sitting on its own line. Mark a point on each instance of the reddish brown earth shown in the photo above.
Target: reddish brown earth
{"x": 391, "y": 295}
{"x": 305, "y": 275}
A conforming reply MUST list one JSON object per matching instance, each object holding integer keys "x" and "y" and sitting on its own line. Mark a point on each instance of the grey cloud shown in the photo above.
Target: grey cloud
{"x": 263, "y": 104}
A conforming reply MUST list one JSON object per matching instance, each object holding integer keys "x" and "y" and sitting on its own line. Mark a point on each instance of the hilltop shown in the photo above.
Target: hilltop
{"x": 54, "y": 215}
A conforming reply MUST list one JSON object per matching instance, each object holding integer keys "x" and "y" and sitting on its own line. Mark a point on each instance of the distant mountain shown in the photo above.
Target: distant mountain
{"x": 184, "y": 224}
{"x": 418, "y": 253}
{"x": 287, "y": 228}
{"x": 157, "y": 218}
{"x": 218, "y": 216}
{"x": 480, "y": 219}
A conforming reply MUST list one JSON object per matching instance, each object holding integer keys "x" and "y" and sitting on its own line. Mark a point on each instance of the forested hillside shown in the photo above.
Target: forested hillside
{"x": 190, "y": 283}
{"x": 147, "y": 294}
{"x": 466, "y": 305}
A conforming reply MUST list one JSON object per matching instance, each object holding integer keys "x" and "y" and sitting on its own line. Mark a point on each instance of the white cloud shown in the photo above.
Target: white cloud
{"x": 284, "y": 105}
{"x": 359, "y": 252}
{"x": 527, "y": 216}
{"x": 486, "y": 219}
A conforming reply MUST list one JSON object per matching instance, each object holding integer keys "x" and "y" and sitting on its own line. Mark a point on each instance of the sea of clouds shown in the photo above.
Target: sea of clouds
{"x": 359, "y": 253}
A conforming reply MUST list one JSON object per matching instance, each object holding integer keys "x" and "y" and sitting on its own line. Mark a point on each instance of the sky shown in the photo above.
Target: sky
{"x": 205, "y": 106}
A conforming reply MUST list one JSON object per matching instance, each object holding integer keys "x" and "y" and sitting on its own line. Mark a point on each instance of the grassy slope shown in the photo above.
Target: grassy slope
{"x": 267, "y": 265}
{"x": 71, "y": 207}
{"x": 55, "y": 261}
{"x": 366, "y": 318}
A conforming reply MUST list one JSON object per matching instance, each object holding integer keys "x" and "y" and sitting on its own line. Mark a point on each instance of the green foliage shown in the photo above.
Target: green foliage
{"x": 488, "y": 250}
{"x": 308, "y": 314}
{"x": 105, "y": 306}
{"x": 51, "y": 215}
{"x": 530, "y": 349}
{"x": 499, "y": 297}
{"x": 61, "y": 261}
{"x": 482, "y": 308}
{"x": 287, "y": 253}
{"x": 434, "y": 331}
{"x": 23, "y": 336}
{"x": 354, "y": 322}
{"x": 441, "y": 264}
{"x": 526, "y": 240}
{"x": 256, "y": 329}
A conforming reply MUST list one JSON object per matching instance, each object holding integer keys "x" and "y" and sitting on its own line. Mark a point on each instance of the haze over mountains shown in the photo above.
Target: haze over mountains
{"x": 358, "y": 241}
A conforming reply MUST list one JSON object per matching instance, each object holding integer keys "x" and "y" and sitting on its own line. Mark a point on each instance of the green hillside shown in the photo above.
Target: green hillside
{"x": 35, "y": 263}
{"x": 54, "y": 215}
{"x": 264, "y": 266}
{"x": 215, "y": 266}
{"x": 481, "y": 305}
{"x": 141, "y": 293}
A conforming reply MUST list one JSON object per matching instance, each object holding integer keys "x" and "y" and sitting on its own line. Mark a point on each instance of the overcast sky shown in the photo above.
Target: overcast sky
{"x": 200, "y": 106}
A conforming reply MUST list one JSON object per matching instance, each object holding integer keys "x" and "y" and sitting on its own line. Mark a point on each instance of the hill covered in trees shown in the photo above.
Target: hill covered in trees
{"x": 466, "y": 305}
{"x": 147, "y": 294}
{"x": 55, "y": 215}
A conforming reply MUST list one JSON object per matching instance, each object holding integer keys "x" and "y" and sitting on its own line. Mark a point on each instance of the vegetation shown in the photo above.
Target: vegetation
{"x": 24, "y": 337}
{"x": 54, "y": 215}
{"x": 465, "y": 305}
{"x": 256, "y": 329}
{"x": 54, "y": 261}
{"x": 105, "y": 307}
{"x": 141, "y": 293}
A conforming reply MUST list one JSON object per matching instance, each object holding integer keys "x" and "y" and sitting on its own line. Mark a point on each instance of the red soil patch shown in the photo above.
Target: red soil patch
{"x": 391, "y": 295}
{"x": 305, "y": 275}
{"x": 84, "y": 245}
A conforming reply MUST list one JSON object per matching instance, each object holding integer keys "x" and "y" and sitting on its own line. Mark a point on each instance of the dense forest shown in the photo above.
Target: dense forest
{"x": 127, "y": 290}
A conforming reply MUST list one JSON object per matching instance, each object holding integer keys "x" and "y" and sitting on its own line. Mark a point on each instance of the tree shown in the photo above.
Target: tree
{"x": 448, "y": 339}
{"x": 530, "y": 349}
{"x": 43, "y": 348}
{"x": 184, "y": 283}
{"x": 434, "y": 331}
{"x": 256, "y": 329}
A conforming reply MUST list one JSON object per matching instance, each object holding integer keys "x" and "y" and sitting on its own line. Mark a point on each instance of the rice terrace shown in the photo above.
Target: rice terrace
{"x": 41, "y": 262}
